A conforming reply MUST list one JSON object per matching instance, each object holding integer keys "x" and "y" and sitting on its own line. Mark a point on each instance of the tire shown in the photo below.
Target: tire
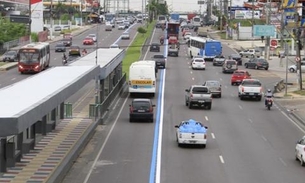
{"x": 130, "y": 120}
{"x": 291, "y": 70}
{"x": 241, "y": 98}
{"x": 191, "y": 54}
{"x": 209, "y": 106}
{"x": 214, "y": 64}
{"x": 259, "y": 98}
{"x": 232, "y": 83}
{"x": 256, "y": 67}
{"x": 246, "y": 65}
{"x": 269, "y": 107}
{"x": 151, "y": 120}
{"x": 186, "y": 104}
{"x": 302, "y": 161}
{"x": 190, "y": 105}
{"x": 203, "y": 146}
{"x": 266, "y": 68}
{"x": 219, "y": 95}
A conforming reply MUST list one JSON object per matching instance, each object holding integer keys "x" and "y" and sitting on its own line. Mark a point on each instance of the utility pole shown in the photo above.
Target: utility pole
{"x": 267, "y": 43}
{"x": 51, "y": 20}
{"x": 299, "y": 47}
{"x": 221, "y": 9}
{"x": 282, "y": 35}
{"x": 30, "y": 21}
{"x": 252, "y": 23}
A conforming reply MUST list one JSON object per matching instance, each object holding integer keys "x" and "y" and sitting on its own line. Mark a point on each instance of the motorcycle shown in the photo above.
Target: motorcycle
{"x": 64, "y": 60}
{"x": 269, "y": 102}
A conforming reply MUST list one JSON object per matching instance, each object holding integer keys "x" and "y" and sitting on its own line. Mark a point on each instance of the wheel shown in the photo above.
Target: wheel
{"x": 209, "y": 106}
{"x": 191, "y": 55}
{"x": 302, "y": 161}
{"x": 232, "y": 83}
{"x": 219, "y": 95}
{"x": 241, "y": 55}
{"x": 266, "y": 68}
{"x": 256, "y": 67}
{"x": 130, "y": 120}
{"x": 268, "y": 107}
{"x": 246, "y": 65}
{"x": 291, "y": 70}
{"x": 190, "y": 105}
{"x": 203, "y": 145}
{"x": 186, "y": 104}
{"x": 151, "y": 120}
{"x": 259, "y": 98}
{"x": 241, "y": 98}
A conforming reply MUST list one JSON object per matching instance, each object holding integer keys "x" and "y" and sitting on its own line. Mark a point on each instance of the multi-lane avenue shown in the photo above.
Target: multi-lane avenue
{"x": 246, "y": 142}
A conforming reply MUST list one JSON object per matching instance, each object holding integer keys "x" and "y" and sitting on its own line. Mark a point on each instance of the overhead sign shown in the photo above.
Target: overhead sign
{"x": 200, "y": 2}
{"x": 246, "y": 14}
{"x": 264, "y": 30}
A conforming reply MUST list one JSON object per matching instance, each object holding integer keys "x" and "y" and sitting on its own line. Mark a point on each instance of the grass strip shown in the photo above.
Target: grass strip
{"x": 134, "y": 52}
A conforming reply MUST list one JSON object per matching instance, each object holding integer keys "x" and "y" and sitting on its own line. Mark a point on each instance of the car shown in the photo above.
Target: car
{"x": 114, "y": 46}
{"x": 294, "y": 68}
{"x": 160, "y": 60}
{"x": 198, "y": 63}
{"x": 141, "y": 109}
{"x": 218, "y": 60}
{"x": 238, "y": 76}
{"x": 10, "y": 56}
{"x": 93, "y": 36}
{"x": 185, "y": 30}
{"x": 257, "y": 63}
{"x": 126, "y": 23}
{"x": 250, "y": 53}
{"x": 66, "y": 27}
{"x": 237, "y": 58}
{"x": 300, "y": 151}
{"x": 60, "y": 47}
{"x": 125, "y": 35}
{"x": 154, "y": 47}
{"x": 229, "y": 66}
{"x": 57, "y": 28}
{"x": 187, "y": 35}
{"x": 67, "y": 41}
{"x": 173, "y": 40}
{"x": 108, "y": 27}
{"x": 198, "y": 95}
{"x": 74, "y": 50}
{"x": 214, "y": 87}
{"x": 68, "y": 35}
{"x": 88, "y": 41}
{"x": 250, "y": 88}
{"x": 191, "y": 132}
{"x": 121, "y": 26}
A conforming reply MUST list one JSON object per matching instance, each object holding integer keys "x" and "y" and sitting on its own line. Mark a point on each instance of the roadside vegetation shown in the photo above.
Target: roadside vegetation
{"x": 134, "y": 51}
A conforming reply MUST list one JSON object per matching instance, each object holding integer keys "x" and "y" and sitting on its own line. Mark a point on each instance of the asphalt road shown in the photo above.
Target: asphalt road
{"x": 246, "y": 142}
{"x": 105, "y": 39}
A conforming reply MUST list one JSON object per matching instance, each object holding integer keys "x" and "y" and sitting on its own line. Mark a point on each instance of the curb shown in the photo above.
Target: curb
{"x": 297, "y": 117}
{"x": 8, "y": 66}
{"x": 292, "y": 115}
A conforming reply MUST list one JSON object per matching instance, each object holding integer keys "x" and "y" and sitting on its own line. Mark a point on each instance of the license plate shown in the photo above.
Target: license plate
{"x": 251, "y": 93}
{"x": 193, "y": 141}
{"x": 269, "y": 103}
{"x": 141, "y": 110}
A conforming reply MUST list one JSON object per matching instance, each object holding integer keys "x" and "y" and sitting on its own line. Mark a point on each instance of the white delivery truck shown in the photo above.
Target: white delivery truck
{"x": 142, "y": 78}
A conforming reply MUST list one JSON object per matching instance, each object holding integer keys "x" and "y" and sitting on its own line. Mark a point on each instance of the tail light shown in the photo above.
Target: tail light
{"x": 259, "y": 64}
{"x": 151, "y": 109}
{"x": 205, "y": 136}
{"x": 131, "y": 109}
{"x": 242, "y": 89}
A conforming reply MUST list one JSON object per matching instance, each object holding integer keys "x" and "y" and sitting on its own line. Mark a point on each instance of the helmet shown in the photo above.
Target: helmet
{"x": 268, "y": 90}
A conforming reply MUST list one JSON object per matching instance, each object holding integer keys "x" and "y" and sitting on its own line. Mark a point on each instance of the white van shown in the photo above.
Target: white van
{"x": 142, "y": 78}
{"x": 151, "y": 62}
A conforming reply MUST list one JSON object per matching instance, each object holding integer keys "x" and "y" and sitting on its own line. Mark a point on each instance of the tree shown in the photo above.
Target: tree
{"x": 142, "y": 30}
{"x": 155, "y": 9}
{"x": 11, "y": 31}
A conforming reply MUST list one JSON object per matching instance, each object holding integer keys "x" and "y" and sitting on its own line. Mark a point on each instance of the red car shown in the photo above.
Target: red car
{"x": 238, "y": 76}
{"x": 88, "y": 41}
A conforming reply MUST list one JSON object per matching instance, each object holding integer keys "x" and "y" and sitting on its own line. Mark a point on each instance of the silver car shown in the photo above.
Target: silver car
{"x": 214, "y": 87}
{"x": 125, "y": 35}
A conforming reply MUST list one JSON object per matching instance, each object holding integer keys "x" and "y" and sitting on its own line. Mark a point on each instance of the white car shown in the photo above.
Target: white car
{"x": 93, "y": 36}
{"x": 187, "y": 35}
{"x": 125, "y": 35}
{"x": 293, "y": 68}
{"x": 121, "y": 26}
{"x": 114, "y": 46}
{"x": 300, "y": 151}
{"x": 191, "y": 132}
{"x": 198, "y": 63}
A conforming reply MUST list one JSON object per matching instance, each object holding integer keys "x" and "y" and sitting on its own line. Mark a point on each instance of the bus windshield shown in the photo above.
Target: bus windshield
{"x": 28, "y": 57}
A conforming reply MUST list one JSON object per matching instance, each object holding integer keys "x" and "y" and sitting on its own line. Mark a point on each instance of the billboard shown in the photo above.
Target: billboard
{"x": 289, "y": 3}
{"x": 36, "y": 16}
{"x": 264, "y": 30}
{"x": 246, "y": 14}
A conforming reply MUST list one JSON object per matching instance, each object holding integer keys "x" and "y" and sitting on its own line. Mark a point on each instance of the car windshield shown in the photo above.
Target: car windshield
{"x": 91, "y": 35}
{"x": 219, "y": 56}
{"x": 158, "y": 56}
{"x": 251, "y": 83}
{"x": 199, "y": 90}
{"x": 125, "y": 33}
{"x": 198, "y": 60}
{"x": 141, "y": 104}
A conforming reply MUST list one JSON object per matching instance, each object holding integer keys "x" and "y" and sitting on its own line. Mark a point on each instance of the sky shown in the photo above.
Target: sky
{"x": 180, "y": 5}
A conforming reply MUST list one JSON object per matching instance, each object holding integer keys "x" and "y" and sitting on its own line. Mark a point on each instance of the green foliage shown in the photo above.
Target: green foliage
{"x": 134, "y": 52}
{"x": 34, "y": 37}
{"x": 65, "y": 17}
{"x": 141, "y": 30}
{"x": 10, "y": 31}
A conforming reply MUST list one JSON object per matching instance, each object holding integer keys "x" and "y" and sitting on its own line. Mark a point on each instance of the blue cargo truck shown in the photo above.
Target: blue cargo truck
{"x": 175, "y": 16}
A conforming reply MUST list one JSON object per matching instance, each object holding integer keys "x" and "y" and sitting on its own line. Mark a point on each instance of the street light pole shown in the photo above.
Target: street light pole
{"x": 51, "y": 20}
{"x": 30, "y": 21}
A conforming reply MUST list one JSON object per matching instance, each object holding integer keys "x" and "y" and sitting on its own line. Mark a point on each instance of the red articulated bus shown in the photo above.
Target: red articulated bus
{"x": 34, "y": 57}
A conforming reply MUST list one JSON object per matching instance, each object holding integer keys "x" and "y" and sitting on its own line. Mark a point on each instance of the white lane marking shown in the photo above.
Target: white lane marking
{"x": 240, "y": 107}
{"x": 151, "y": 39}
{"x": 115, "y": 105}
{"x": 220, "y": 79}
{"x": 283, "y": 161}
{"x": 13, "y": 79}
{"x": 221, "y": 159}
{"x": 213, "y": 136}
{"x": 226, "y": 86}
{"x": 293, "y": 122}
{"x": 250, "y": 120}
{"x": 264, "y": 138}
{"x": 232, "y": 94}
{"x": 104, "y": 144}
{"x": 193, "y": 79}
{"x": 206, "y": 118}
{"x": 191, "y": 72}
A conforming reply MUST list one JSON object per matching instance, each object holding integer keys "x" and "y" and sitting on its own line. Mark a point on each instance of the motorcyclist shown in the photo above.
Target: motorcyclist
{"x": 84, "y": 52}
{"x": 64, "y": 58}
{"x": 268, "y": 94}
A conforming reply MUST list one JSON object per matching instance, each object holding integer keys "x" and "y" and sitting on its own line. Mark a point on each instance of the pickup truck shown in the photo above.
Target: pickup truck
{"x": 191, "y": 132}
{"x": 173, "y": 49}
{"x": 250, "y": 88}
{"x": 250, "y": 53}
{"x": 198, "y": 95}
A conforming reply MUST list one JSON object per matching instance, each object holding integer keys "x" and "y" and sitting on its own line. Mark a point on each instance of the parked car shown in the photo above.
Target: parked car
{"x": 57, "y": 28}
{"x": 300, "y": 151}
{"x": 10, "y": 56}
{"x": 160, "y": 60}
{"x": 125, "y": 35}
{"x": 88, "y": 41}
{"x": 229, "y": 66}
{"x": 141, "y": 109}
{"x": 66, "y": 27}
{"x": 238, "y": 76}
{"x": 93, "y": 36}
{"x": 191, "y": 132}
{"x": 257, "y": 63}
{"x": 198, "y": 63}
{"x": 214, "y": 87}
{"x": 237, "y": 58}
{"x": 218, "y": 60}
{"x": 154, "y": 47}
{"x": 67, "y": 41}
{"x": 294, "y": 68}
{"x": 60, "y": 47}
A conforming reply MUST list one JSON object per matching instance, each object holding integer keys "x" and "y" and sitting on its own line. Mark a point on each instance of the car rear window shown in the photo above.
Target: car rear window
{"x": 231, "y": 62}
{"x": 251, "y": 83}
{"x": 261, "y": 60}
{"x": 198, "y": 90}
{"x": 215, "y": 84}
{"x": 198, "y": 60}
{"x": 158, "y": 56}
{"x": 141, "y": 105}
{"x": 239, "y": 73}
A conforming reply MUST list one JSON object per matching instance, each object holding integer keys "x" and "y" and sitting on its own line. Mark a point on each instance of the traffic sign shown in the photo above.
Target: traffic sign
{"x": 264, "y": 30}
{"x": 273, "y": 43}
{"x": 297, "y": 59}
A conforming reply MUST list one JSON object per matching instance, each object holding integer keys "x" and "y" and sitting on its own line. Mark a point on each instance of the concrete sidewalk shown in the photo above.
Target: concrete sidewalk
{"x": 55, "y": 39}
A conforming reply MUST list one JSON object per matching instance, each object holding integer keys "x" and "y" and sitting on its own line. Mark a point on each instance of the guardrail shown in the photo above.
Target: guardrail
{"x": 279, "y": 86}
